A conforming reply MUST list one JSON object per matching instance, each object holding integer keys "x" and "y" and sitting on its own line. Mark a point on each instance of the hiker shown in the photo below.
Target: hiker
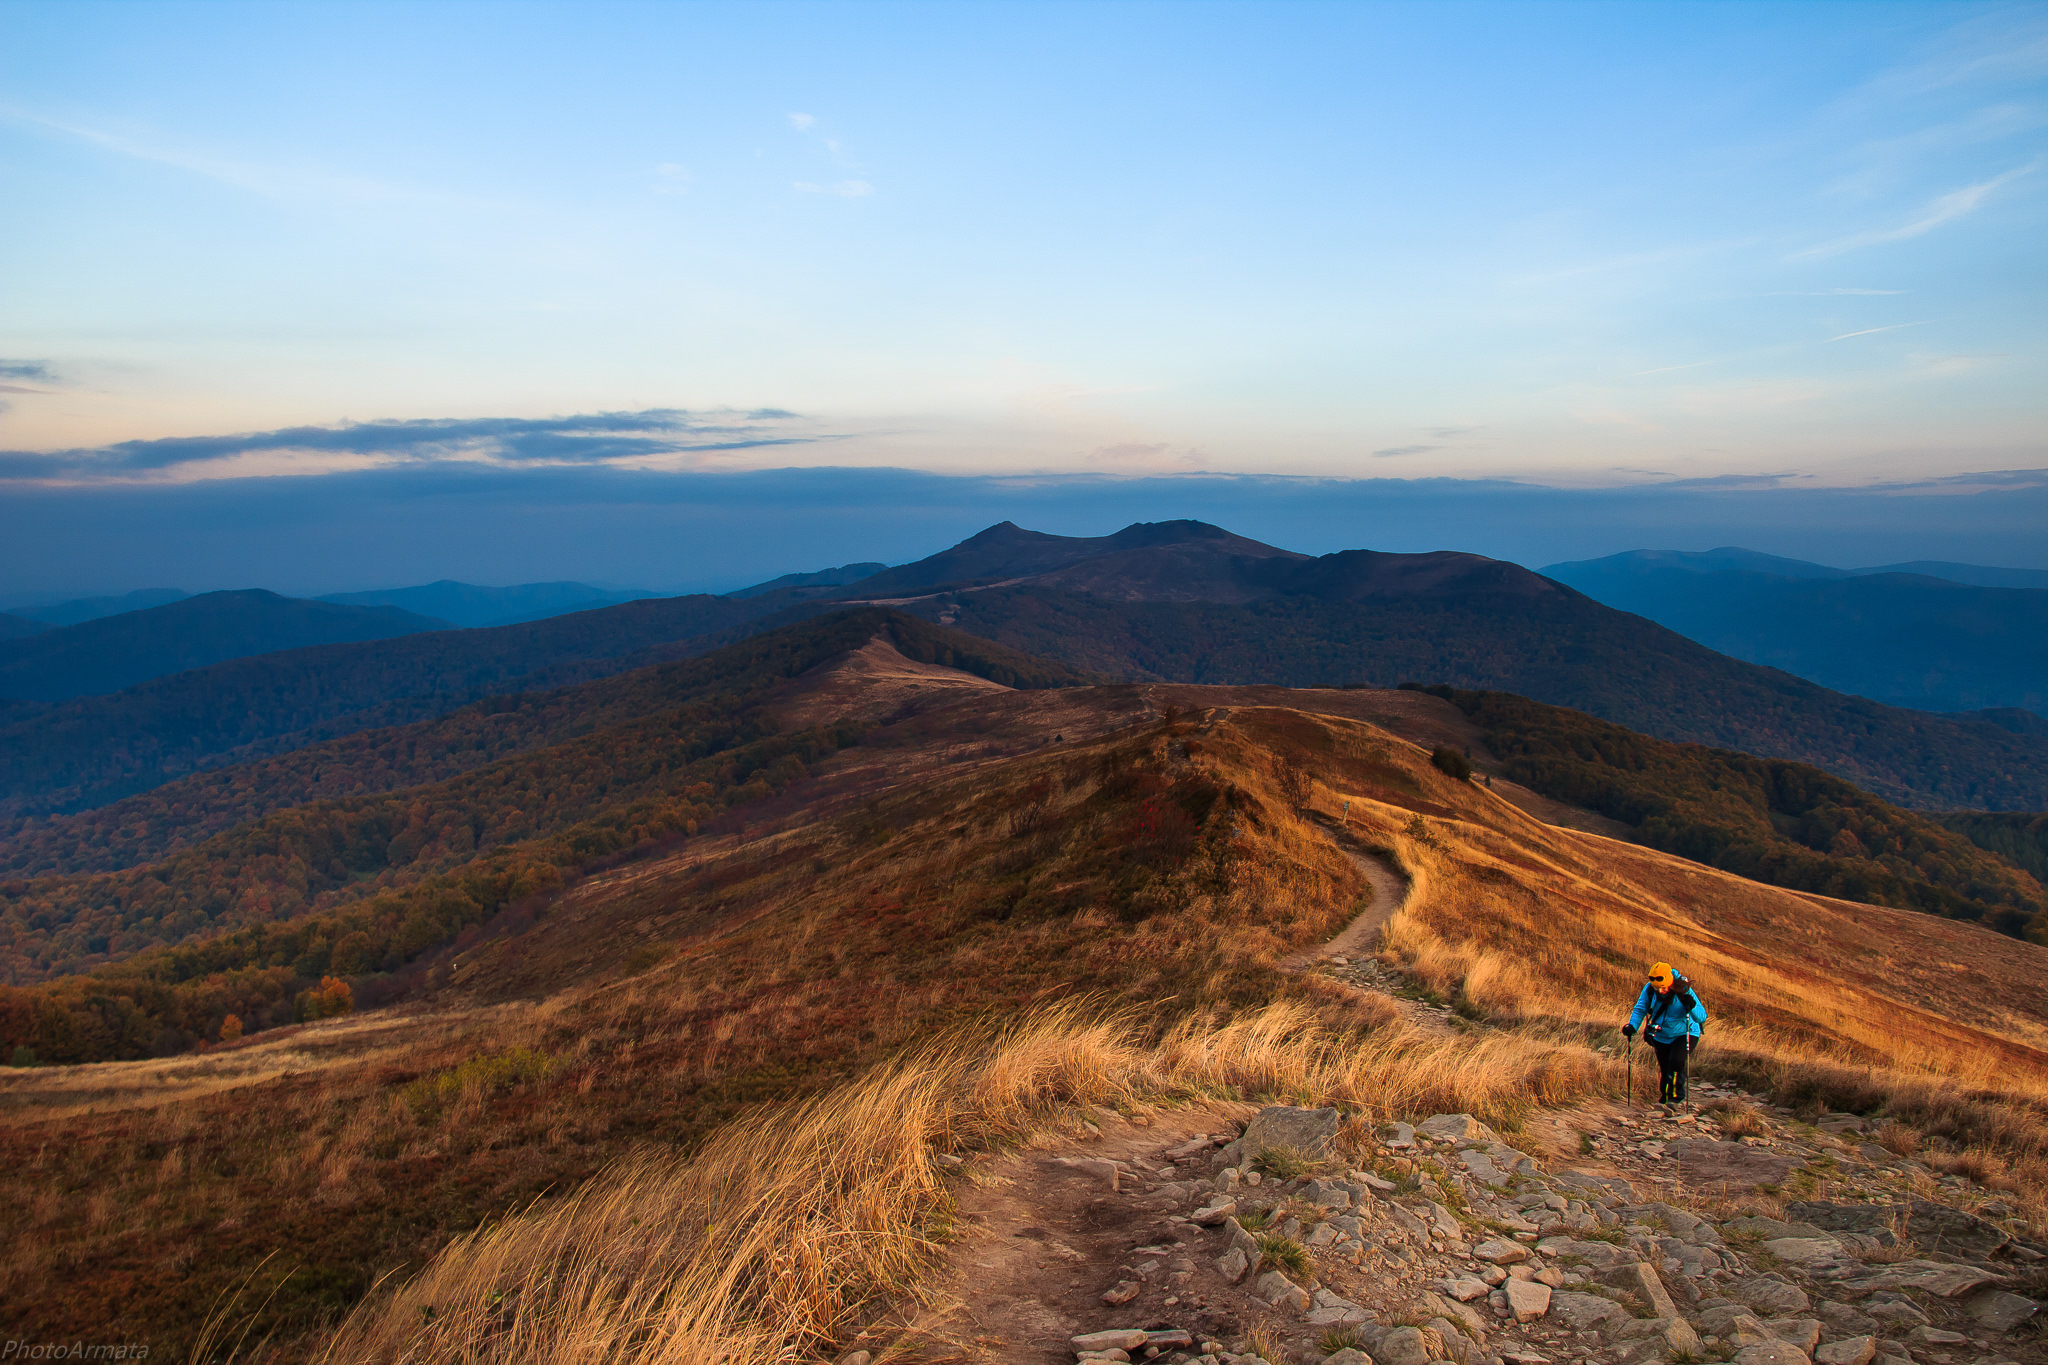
{"x": 1676, "y": 1019}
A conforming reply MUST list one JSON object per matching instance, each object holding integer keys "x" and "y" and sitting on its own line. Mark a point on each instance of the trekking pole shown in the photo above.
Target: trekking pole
{"x": 1630, "y": 1044}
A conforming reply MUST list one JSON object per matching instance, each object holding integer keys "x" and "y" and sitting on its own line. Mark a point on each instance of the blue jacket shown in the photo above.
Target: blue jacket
{"x": 1674, "y": 1016}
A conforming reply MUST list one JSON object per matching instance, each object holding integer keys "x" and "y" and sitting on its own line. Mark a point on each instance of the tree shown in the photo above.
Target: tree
{"x": 231, "y": 1028}
{"x": 1451, "y": 762}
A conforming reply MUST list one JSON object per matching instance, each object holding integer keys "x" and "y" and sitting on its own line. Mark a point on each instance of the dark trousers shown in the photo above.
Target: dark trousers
{"x": 1672, "y": 1059}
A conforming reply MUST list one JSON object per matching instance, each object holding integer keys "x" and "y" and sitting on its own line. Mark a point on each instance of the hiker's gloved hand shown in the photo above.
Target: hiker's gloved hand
{"x": 1628, "y": 1031}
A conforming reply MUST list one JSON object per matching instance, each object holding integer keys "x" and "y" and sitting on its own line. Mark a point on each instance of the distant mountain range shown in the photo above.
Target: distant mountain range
{"x": 112, "y": 652}
{"x": 79, "y": 609}
{"x": 1933, "y": 636}
{"x": 1171, "y": 601}
{"x": 468, "y": 604}
{"x": 1732, "y": 558}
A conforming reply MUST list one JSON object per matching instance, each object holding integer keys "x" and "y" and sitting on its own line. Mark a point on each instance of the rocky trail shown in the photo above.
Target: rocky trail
{"x": 1602, "y": 1235}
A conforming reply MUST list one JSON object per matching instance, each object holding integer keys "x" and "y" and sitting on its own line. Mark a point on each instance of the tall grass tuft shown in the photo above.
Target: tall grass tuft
{"x": 785, "y": 1232}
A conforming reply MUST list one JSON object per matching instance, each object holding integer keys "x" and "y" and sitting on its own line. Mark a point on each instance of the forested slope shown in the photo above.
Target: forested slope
{"x": 248, "y": 919}
{"x": 1787, "y": 824}
{"x": 89, "y": 751}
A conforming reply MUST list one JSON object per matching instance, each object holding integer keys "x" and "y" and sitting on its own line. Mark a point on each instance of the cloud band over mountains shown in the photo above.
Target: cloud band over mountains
{"x": 582, "y": 439}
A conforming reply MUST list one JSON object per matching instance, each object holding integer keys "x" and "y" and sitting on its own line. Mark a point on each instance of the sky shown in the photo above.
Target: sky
{"x": 335, "y": 261}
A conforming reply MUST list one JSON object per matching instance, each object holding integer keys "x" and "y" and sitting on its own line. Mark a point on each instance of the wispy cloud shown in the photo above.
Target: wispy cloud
{"x": 800, "y": 122}
{"x": 1946, "y": 208}
{"x": 1635, "y": 260}
{"x": 586, "y": 439}
{"x": 672, "y": 178}
{"x": 1395, "y": 452}
{"x": 37, "y": 370}
{"x": 1872, "y": 331}
{"x": 845, "y": 189}
{"x": 268, "y": 179}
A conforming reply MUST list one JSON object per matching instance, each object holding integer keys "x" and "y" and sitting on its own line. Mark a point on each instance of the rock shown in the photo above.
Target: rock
{"x": 1321, "y": 1235}
{"x": 1929, "y": 1277}
{"x": 1801, "y": 1332}
{"x": 1846, "y": 1321}
{"x": 1328, "y": 1194}
{"x": 1527, "y": 1300}
{"x": 1643, "y": 1282}
{"x": 1598, "y": 1255}
{"x": 1847, "y": 1351}
{"x": 1447, "y": 1223}
{"x": 1213, "y": 1214}
{"x": 1500, "y": 1252}
{"x": 1115, "y": 1339}
{"x": 1771, "y": 1353}
{"x": 1465, "y": 1289}
{"x": 1107, "y": 1356}
{"x": 1406, "y": 1220}
{"x": 1585, "y": 1312}
{"x": 1336, "y": 1317}
{"x": 1192, "y": 1147}
{"x": 1121, "y": 1293}
{"x": 856, "y": 1358}
{"x": 1769, "y": 1227}
{"x": 1104, "y": 1171}
{"x": 1933, "y": 1226}
{"x": 1237, "y": 1239}
{"x": 1937, "y": 1227}
{"x": 1800, "y": 1250}
{"x": 1350, "y": 1355}
{"x": 1897, "y": 1313}
{"x": 1493, "y": 1275}
{"x": 1937, "y": 1336}
{"x": 1233, "y": 1265}
{"x": 1551, "y": 1276}
{"x": 1481, "y": 1166}
{"x": 1703, "y": 1162}
{"x": 1309, "y": 1133}
{"x": 1735, "y": 1324}
{"x": 1169, "y": 1338}
{"x": 1770, "y": 1296}
{"x": 1402, "y": 1346}
{"x": 1456, "y": 1128}
{"x": 1678, "y": 1336}
{"x": 1404, "y": 1136}
{"x": 1999, "y": 1311}
{"x": 1281, "y": 1292}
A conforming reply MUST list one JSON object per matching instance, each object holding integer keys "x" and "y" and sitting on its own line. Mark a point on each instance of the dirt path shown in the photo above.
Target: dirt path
{"x": 1360, "y": 937}
{"x": 1047, "y": 1230}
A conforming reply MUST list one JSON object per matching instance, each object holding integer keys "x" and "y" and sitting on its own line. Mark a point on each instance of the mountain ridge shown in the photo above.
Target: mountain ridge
{"x": 118, "y": 651}
{"x": 1907, "y": 640}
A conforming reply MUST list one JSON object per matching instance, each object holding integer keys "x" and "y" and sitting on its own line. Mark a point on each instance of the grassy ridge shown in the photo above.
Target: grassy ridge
{"x": 1783, "y": 823}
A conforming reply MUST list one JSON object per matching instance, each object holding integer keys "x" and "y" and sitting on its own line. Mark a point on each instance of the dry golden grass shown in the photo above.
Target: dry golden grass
{"x": 781, "y": 1237}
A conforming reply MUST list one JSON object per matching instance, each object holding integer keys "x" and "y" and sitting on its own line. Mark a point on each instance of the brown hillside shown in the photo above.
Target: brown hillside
{"x": 982, "y": 855}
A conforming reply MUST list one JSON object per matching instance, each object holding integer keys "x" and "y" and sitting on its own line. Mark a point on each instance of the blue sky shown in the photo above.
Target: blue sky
{"x": 1582, "y": 245}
